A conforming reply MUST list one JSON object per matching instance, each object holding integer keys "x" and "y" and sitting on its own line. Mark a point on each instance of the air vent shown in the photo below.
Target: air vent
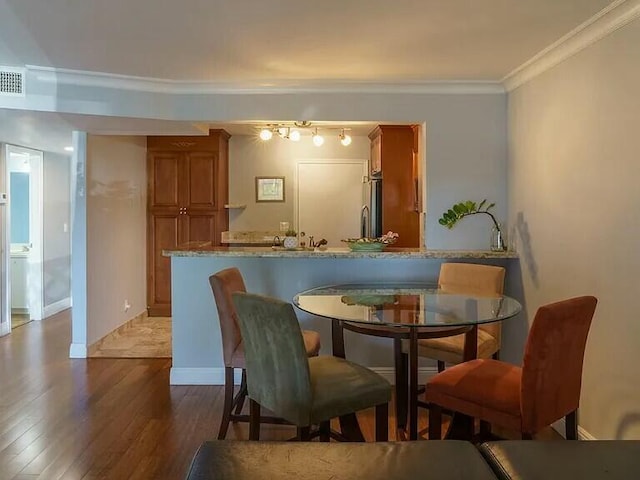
{"x": 11, "y": 81}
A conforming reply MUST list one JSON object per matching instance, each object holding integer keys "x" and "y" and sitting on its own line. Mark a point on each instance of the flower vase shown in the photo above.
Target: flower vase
{"x": 498, "y": 240}
{"x": 290, "y": 242}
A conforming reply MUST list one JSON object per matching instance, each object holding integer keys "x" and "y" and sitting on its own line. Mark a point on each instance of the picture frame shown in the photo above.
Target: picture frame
{"x": 270, "y": 189}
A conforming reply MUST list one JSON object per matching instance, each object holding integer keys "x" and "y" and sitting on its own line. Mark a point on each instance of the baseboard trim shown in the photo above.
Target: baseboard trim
{"x": 560, "y": 427}
{"x": 57, "y": 307}
{"x": 20, "y": 311}
{"x": 215, "y": 375}
{"x": 78, "y": 350}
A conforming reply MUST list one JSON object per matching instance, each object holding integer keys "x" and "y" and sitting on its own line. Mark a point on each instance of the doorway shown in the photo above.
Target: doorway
{"x": 22, "y": 226}
{"x": 329, "y": 198}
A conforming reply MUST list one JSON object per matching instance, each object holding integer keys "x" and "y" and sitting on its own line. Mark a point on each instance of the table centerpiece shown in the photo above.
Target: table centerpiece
{"x": 367, "y": 244}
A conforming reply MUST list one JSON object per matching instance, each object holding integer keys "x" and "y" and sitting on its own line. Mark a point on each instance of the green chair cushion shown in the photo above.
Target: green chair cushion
{"x": 339, "y": 387}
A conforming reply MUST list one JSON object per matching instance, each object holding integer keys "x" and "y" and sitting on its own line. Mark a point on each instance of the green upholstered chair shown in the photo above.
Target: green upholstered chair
{"x": 528, "y": 398}
{"x": 223, "y": 284}
{"x": 305, "y": 391}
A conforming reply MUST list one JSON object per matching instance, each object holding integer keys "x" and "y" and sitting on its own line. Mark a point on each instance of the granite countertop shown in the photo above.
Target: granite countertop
{"x": 206, "y": 249}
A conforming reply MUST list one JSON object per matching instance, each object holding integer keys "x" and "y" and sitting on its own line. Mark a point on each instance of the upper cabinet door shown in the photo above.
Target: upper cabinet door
{"x": 164, "y": 179}
{"x": 202, "y": 181}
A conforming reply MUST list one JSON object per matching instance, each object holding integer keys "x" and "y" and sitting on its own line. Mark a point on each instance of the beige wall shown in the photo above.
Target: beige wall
{"x": 116, "y": 232}
{"x": 573, "y": 195}
{"x": 250, "y": 157}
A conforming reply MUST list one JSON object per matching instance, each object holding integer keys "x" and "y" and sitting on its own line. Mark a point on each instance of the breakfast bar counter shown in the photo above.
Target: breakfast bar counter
{"x": 196, "y": 342}
{"x": 206, "y": 249}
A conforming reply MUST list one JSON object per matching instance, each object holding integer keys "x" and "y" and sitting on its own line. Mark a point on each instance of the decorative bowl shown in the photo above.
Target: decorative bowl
{"x": 366, "y": 246}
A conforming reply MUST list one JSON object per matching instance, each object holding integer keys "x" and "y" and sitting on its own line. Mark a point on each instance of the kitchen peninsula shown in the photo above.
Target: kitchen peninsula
{"x": 197, "y": 351}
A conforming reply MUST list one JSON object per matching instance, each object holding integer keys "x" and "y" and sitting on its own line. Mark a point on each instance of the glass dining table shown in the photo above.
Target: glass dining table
{"x": 405, "y": 312}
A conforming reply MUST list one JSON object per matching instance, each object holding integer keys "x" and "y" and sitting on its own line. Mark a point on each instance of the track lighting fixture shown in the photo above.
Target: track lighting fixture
{"x": 345, "y": 139}
{"x": 318, "y": 140}
{"x": 266, "y": 134}
{"x": 294, "y": 131}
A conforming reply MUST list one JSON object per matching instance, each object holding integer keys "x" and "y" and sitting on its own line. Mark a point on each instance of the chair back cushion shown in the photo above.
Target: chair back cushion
{"x": 552, "y": 367}
{"x": 277, "y": 367}
{"x": 487, "y": 280}
{"x": 223, "y": 284}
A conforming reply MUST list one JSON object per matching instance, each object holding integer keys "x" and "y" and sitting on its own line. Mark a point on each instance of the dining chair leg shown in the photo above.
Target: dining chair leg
{"x": 228, "y": 403}
{"x": 402, "y": 384}
{"x": 254, "y": 420}
{"x": 325, "y": 431}
{"x": 435, "y": 422}
{"x": 440, "y": 366}
{"x": 242, "y": 394}
{"x": 382, "y": 422}
{"x": 571, "y": 425}
{"x": 413, "y": 384}
{"x": 303, "y": 434}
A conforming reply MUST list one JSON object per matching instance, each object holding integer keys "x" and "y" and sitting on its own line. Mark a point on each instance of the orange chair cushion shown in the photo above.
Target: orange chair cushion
{"x": 483, "y": 388}
{"x": 311, "y": 345}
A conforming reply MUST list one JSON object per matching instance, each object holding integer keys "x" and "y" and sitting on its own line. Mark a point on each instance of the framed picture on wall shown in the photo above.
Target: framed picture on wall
{"x": 269, "y": 189}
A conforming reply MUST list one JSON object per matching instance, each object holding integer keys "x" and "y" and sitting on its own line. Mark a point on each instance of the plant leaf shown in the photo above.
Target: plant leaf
{"x": 482, "y": 203}
{"x": 490, "y": 206}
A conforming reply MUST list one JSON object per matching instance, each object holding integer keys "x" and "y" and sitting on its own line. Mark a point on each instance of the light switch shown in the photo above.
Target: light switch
{"x": 65, "y": 227}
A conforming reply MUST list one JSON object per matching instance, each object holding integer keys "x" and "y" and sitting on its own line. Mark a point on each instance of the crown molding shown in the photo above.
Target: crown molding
{"x": 608, "y": 20}
{"x": 81, "y": 78}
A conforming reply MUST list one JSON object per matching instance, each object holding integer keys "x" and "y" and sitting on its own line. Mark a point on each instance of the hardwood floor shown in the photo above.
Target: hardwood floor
{"x": 104, "y": 418}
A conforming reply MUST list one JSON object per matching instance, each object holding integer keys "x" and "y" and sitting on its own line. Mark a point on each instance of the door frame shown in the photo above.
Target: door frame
{"x": 35, "y": 273}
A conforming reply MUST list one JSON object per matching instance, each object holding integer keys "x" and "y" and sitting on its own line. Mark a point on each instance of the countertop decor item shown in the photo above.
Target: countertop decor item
{"x": 464, "y": 209}
{"x": 290, "y": 239}
{"x": 365, "y": 244}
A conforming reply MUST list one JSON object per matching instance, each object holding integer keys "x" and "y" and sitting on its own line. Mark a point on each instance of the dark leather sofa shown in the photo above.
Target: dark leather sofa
{"x": 447, "y": 460}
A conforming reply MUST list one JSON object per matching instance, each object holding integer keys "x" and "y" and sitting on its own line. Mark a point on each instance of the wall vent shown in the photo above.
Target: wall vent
{"x": 11, "y": 81}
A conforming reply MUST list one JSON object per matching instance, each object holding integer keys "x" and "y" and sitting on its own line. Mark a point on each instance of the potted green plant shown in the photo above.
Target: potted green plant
{"x": 464, "y": 209}
{"x": 290, "y": 238}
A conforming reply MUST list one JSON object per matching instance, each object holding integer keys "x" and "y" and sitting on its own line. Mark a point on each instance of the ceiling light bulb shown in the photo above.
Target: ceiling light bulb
{"x": 294, "y": 135}
{"x": 345, "y": 139}
{"x": 266, "y": 134}
{"x": 317, "y": 139}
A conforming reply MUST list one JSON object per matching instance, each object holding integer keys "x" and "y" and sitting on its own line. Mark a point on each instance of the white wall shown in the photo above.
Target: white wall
{"x": 250, "y": 157}
{"x": 116, "y": 232}
{"x": 57, "y": 224}
{"x": 573, "y": 195}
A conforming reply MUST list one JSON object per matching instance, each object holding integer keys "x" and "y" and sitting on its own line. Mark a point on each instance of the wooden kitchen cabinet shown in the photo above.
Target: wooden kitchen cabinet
{"x": 187, "y": 191}
{"x": 393, "y": 154}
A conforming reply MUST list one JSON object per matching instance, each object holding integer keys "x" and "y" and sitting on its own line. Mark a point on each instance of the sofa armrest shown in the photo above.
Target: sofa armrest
{"x": 533, "y": 460}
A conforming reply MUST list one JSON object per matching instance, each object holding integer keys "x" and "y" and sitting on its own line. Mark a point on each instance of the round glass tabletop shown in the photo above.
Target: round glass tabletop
{"x": 405, "y": 305}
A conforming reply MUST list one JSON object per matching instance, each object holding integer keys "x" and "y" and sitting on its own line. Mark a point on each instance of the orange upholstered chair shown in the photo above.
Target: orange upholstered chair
{"x": 223, "y": 284}
{"x": 472, "y": 279}
{"x": 528, "y": 398}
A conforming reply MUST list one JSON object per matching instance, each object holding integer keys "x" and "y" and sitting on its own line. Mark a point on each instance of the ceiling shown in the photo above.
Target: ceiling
{"x": 272, "y": 43}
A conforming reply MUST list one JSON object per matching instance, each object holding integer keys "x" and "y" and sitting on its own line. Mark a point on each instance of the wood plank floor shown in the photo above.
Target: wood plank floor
{"x": 104, "y": 418}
